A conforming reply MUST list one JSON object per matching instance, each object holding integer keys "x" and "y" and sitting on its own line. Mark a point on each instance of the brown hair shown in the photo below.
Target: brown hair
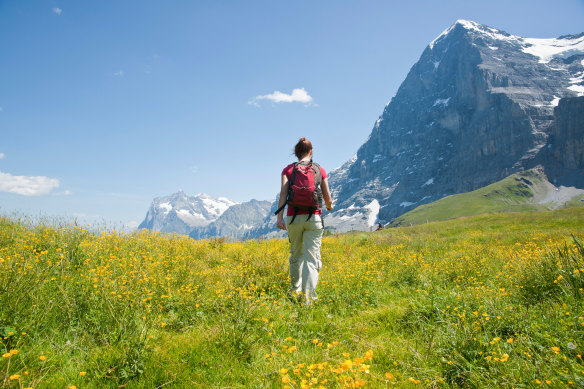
{"x": 302, "y": 148}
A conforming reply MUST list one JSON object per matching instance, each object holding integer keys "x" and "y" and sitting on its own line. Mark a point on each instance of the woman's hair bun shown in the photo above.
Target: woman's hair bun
{"x": 302, "y": 148}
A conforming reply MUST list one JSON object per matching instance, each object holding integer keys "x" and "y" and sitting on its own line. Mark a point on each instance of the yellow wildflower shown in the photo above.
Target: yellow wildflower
{"x": 347, "y": 365}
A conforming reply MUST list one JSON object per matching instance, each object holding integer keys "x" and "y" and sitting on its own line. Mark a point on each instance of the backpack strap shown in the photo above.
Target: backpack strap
{"x": 293, "y": 175}
{"x": 279, "y": 209}
{"x": 317, "y": 174}
{"x": 290, "y": 182}
{"x": 294, "y": 216}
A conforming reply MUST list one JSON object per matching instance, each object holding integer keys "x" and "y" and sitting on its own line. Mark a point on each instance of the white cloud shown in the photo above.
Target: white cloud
{"x": 58, "y": 11}
{"x": 119, "y": 73}
{"x": 27, "y": 185}
{"x": 298, "y": 95}
{"x": 194, "y": 169}
{"x": 66, "y": 192}
{"x": 2, "y": 155}
{"x": 1, "y": 109}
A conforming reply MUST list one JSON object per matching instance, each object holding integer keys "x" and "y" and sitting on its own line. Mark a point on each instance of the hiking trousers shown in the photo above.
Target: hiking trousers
{"x": 305, "y": 238}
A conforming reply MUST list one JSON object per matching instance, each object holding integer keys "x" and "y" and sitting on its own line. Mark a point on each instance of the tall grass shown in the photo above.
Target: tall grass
{"x": 490, "y": 301}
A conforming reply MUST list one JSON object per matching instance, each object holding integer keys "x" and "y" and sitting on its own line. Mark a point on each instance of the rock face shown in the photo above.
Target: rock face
{"x": 235, "y": 222}
{"x": 477, "y": 107}
{"x": 181, "y": 213}
{"x": 565, "y": 153}
{"x": 266, "y": 228}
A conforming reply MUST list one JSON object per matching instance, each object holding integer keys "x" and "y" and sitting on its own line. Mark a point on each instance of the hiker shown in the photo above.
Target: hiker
{"x": 304, "y": 185}
{"x": 379, "y": 226}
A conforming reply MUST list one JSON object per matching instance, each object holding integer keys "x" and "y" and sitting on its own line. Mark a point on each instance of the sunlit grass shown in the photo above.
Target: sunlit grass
{"x": 487, "y": 301}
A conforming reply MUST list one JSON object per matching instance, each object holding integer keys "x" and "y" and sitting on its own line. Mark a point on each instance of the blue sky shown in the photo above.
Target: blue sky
{"x": 105, "y": 105}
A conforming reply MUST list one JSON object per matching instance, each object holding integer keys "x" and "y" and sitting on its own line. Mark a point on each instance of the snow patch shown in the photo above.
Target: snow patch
{"x": 579, "y": 89}
{"x": 218, "y": 206}
{"x": 373, "y": 208}
{"x": 347, "y": 217}
{"x": 429, "y": 182}
{"x": 443, "y": 102}
{"x": 378, "y": 157}
{"x": 555, "y": 101}
{"x": 436, "y": 64}
{"x": 190, "y": 218}
{"x": 166, "y": 207}
{"x": 548, "y": 49}
{"x": 493, "y": 48}
{"x": 576, "y": 81}
{"x": 406, "y": 204}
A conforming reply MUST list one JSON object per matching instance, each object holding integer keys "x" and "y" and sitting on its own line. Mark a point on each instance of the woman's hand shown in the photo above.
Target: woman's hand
{"x": 281, "y": 224}
{"x": 329, "y": 206}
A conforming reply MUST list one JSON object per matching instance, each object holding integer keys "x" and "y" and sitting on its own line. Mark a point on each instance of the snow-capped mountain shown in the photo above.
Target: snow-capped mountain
{"x": 479, "y": 105}
{"x": 235, "y": 222}
{"x": 181, "y": 213}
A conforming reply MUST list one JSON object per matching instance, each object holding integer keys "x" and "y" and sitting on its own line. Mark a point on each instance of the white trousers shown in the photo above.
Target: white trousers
{"x": 305, "y": 238}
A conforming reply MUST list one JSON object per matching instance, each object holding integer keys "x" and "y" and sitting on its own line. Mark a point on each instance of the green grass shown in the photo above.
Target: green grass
{"x": 483, "y": 302}
{"x": 512, "y": 194}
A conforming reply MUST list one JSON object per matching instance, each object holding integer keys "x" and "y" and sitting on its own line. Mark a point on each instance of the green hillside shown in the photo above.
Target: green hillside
{"x": 525, "y": 191}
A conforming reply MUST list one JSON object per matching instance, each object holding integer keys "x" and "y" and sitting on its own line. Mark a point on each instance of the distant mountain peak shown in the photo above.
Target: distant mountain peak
{"x": 546, "y": 49}
{"x": 470, "y": 26}
{"x": 180, "y": 213}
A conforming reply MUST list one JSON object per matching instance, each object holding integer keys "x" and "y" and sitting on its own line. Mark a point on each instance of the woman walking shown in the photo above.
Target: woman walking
{"x": 304, "y": 185}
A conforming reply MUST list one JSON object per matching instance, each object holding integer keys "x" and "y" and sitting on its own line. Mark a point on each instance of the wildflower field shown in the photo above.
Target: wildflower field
{"x": 487, "y": 301}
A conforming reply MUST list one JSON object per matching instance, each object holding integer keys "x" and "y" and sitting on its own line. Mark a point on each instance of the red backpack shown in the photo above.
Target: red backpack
{"x": 304, "y": 191}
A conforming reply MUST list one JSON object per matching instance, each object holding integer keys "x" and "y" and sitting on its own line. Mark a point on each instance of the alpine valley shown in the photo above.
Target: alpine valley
{"x": 479, "y": 105}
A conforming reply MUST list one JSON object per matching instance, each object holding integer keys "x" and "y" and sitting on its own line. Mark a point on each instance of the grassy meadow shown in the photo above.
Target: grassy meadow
{"x": 486, "y": 301}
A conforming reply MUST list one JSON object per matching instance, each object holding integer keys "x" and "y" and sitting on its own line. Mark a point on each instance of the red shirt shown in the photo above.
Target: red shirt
{"x": 288, "y": 173}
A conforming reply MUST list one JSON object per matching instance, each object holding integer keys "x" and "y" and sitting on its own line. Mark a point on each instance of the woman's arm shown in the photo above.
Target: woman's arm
{"x": 283, "y": 194}
{"x": 326, "y": 194}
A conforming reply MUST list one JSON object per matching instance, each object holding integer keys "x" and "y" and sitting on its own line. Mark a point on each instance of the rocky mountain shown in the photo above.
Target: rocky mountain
{"x": 266, "y": 228}
{"x": 235, "y": 222}
{"x": 181, "y": 213}
{"x": 479, "y": 105}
